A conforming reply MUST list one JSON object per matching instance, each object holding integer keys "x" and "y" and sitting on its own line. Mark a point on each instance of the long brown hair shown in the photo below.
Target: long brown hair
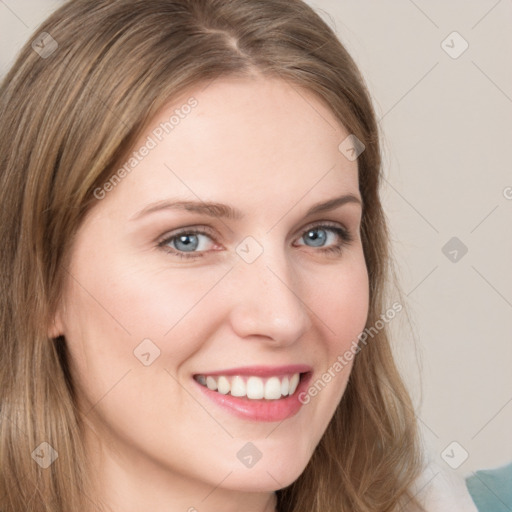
{"x": 79, "y": 95}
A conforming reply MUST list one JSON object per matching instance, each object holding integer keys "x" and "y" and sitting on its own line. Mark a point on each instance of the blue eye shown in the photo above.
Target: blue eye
{"x": 318, "y": 235}
{"x": 187, "y": 243}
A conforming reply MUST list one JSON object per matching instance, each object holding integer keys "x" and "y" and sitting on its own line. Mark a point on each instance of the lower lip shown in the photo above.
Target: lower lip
{"x": 260, "y": 410}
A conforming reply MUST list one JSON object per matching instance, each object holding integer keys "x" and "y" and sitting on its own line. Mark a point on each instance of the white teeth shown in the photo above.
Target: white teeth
{"x": 238, "y": 387}
{"x": 223, "y": 385}
{"x": 211, "y": 383}
{"x": 253, "y": 387}
{"x": 285, "y": 386}
{"x": 294, "y": 382}
{"x": 273, "y": 389}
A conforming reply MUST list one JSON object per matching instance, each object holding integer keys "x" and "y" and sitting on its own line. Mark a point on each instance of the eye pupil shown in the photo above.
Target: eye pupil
{"x": 317, "y": 239}
{"x": 186, "y": 239}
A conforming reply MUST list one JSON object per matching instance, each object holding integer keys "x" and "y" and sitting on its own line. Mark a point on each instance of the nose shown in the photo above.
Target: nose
{"x": 267, "y": 300}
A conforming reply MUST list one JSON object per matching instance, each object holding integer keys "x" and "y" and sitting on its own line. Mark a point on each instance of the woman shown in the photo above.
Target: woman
{"x": 194, "y": 312}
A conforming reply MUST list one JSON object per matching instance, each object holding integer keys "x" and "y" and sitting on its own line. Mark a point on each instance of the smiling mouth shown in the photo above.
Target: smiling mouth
{"x": 252, "y": 387}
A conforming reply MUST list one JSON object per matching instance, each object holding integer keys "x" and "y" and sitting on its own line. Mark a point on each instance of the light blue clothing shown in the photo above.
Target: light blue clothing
{"x": 491, "y": 489}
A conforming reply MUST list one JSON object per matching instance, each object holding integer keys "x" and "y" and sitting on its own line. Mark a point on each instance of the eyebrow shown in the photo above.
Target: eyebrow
{"x": 220, "y": 210}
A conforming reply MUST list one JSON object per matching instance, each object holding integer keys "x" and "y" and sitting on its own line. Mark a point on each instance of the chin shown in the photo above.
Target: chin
{"x": 267, "y": 476}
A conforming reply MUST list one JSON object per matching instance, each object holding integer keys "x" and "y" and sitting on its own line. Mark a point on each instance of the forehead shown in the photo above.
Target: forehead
{"x": 259, "y": 140}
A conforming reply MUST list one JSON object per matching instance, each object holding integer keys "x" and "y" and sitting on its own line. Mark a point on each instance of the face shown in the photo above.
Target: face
{"x": 188, "y": 327}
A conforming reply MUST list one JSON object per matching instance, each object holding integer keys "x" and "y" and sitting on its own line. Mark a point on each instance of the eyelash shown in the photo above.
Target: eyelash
{"x": 343, "y": 234}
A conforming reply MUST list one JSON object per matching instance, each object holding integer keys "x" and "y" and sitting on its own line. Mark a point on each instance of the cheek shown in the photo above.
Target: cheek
{"x": 119, "y": 316}
{"x": 126, "y": 302}
{"x": 341, "y": 302}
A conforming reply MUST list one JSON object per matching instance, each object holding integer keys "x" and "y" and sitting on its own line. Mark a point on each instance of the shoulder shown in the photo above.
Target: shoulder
{"x": 491, "y": 489}
{"x": 440, "y": 490}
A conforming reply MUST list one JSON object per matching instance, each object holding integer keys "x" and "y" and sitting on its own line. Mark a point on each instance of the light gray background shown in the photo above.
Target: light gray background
{"x": 447, "y": 125}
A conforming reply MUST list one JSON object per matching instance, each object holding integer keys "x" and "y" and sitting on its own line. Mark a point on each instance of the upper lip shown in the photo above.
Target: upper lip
{"x": 262, "y": 371}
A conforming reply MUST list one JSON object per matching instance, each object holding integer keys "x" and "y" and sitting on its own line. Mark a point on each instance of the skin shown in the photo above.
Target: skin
{"x": 155, "y": 441}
